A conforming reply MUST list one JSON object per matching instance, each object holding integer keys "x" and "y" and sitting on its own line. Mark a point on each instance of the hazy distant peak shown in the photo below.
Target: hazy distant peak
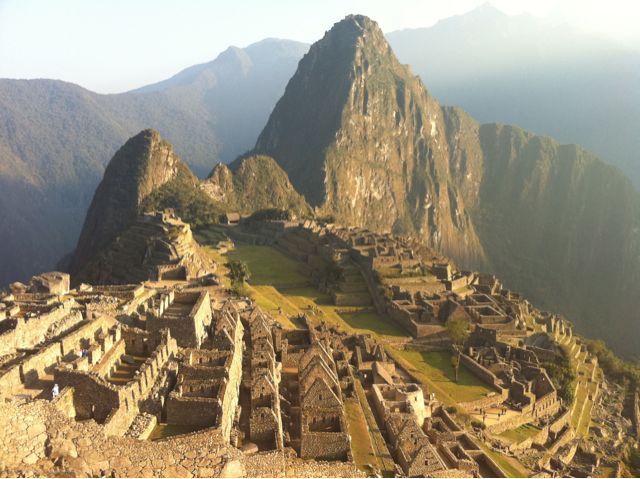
{"x": 233, "y": 60}
{"x": 487, "y": 10}
{"x": 234, "y": 57}
{"x": 277, "y": 46}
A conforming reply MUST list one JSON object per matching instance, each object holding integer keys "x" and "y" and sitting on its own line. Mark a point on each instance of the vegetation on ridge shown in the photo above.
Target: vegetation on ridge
{"x": 190, "y": 203}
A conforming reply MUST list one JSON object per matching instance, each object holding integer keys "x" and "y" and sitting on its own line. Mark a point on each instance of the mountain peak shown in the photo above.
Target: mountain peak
{"x": 487, "y": 9}
{"x": 356, "y": 131}
{"x": 352, "y": 28}
{"x": 143, "y": 164}
{"x": 360, "y": 21}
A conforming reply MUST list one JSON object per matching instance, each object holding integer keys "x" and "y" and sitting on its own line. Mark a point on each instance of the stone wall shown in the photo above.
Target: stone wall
{"x": 202, "y": 409}
{"x": 64, "y": 402}
{"x": 119, "y": 420}
{"x": 487, "y": 402}
{"x": 93, "y": 397}
{"x": 114, "y": 406}
{"x": 194, "y": 411}
{"x": 635, "y": 414}
{"x": 86, "y": 334}
{"x": 328, "y": 446}
{"x": 264, "y": 427}
{"x": 540, "y": 438}
{"x": 39, "y": 364}
{"x": 351, "y": 299}
{"x": 36, "y": 439}
{"x": 560, "y": 423}
{"x": 10, "y": 382}
{"x": 480, "y": 371}
{"x": 565, "y": 437}
{"x": 483, "y": 459}
{"x": 232, "y": 390}
{"x": 29, "y": 332}
{"x": 286, "y": 463}
{"x": 189, "y": 330}
{"x": 42, "y": 362}
{"x": 110, "y": 358}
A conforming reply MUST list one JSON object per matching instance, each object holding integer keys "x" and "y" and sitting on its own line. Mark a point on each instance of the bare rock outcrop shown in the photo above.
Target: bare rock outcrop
{"x": 362, "y": 139}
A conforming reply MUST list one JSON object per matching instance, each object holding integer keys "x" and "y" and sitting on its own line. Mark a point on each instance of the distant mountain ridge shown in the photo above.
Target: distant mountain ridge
{"x": 57, "y": 137}
{"x": 544, "y": 77}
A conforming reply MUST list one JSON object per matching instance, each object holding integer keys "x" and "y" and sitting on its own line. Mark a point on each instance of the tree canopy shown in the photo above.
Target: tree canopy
{"x": 458, "y": 330}
{"x": 238, "y": 272}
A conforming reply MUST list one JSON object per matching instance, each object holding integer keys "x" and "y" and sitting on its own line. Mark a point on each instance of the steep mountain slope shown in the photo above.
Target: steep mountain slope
{"x": 56, "y": 138}
{"x": 254, "y": 183}
{"x": 544, "y": 77}
{"x": 360, "y": 137}
{"x": 556, "y": 223}
{"x": 141, "y": 166}
{"x": 146, "y": 175}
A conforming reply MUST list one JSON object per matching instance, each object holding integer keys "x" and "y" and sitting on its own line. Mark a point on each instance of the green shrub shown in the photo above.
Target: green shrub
{"x": 615, "y": 368}
{"x": 241, "y": 289}
{"x": 271, "y": 214}
{"x": 190, "y": 203}
{"x": 478, "y": 424}
{"x": 238, "y": 272}
{"x": 562, "y": 376}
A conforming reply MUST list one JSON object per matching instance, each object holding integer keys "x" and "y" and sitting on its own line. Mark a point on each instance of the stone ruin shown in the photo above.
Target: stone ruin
{"x": 158, "y": 246}
{"x": 516, "y": 372}
{"x": 127, "y": 361}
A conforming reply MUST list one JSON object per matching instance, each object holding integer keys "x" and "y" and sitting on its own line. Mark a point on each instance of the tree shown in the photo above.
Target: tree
{"x": 238, "y": 272}
{"x": 458, "y": 331}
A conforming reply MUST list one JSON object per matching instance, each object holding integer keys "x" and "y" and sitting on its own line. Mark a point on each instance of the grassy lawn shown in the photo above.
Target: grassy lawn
{"x": 220, "y": 261}
{"x": 271, "y": 301}
{"x": 580, "y": 398}
{"x": 385, "y": 462}
{"x": 268, "y": 266}
{"x": 434, "y": 369}
{"x": 372, "y": 321}
{"x": 348, "y": 318}
{"x": 276, "y": 283}
{"x": 510, "y": 466}
{"x": 520, "y": 433}
{"x": 363, "y": 453}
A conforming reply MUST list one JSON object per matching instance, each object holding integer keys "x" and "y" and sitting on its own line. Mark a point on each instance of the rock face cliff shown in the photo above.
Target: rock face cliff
{"x": 361, "y": 138}
{"x": 142, "y": 165}
{"x": 563, "y": 227}
{"x": 254, "y": 183}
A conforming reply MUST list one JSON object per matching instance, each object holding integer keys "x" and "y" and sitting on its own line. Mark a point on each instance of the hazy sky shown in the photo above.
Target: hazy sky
{"x": 115, "y": 45}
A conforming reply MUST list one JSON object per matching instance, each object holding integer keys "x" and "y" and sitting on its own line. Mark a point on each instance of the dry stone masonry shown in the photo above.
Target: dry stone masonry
{"x": 177, "y": 376}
